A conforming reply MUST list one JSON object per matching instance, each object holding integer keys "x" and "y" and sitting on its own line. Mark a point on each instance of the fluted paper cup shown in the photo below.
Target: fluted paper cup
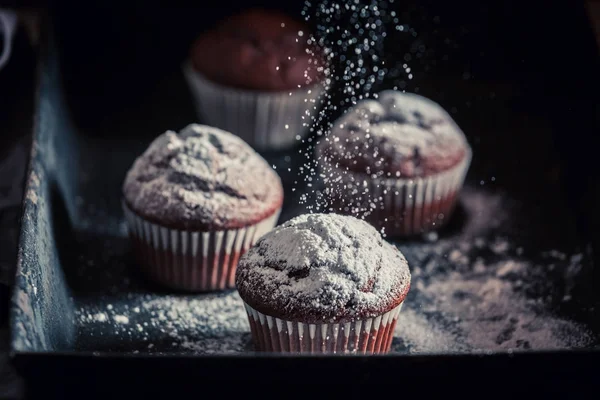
{"x": 192, "y": 260}
{"x": 264, "y": 120}
{"x": 366, "y": 336}
{"x": 401, "y": 207}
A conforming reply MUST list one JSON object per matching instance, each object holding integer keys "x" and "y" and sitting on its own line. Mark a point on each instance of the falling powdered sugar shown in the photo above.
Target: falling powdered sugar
{"x": 353, "y": 35}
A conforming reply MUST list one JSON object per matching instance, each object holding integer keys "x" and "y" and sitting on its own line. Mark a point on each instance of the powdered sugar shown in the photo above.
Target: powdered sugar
{"x": 475, "y": 286}
{"x": 97, "y": 317}
{"x": 485, "y": 310}
{"x": 479, "y": 289}
{"x": 323, "y": 267}
{"x": 121, "y": 319}
{"x": 202, "y": 324}
{"x": 398, "y": 135}
{"x": 202, "y": 177}
{"x": 416, "y": 334}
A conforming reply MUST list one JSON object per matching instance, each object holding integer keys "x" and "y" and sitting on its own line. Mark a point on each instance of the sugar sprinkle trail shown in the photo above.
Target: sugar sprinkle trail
{"x": 353, "y": 33}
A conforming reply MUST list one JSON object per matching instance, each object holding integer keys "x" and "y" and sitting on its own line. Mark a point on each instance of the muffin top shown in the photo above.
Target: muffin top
{"x": 202, "y": 178}
{"x": 259, "y": 50}
{"x": 398, "y": 135}
{"x": 323, "y": 267}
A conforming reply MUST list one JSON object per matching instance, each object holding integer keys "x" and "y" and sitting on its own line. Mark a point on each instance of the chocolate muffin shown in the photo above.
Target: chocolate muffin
{"x": 399, "y": 161}
{"x": 194, "y": 202}
{"x": 260, "y": 75}
{"x": 323, "y": 283}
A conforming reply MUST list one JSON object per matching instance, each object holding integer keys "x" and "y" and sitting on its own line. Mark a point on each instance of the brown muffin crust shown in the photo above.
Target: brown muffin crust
{"x": 202, "y": 179}
{"x": 259, "y": 50}
{"x": 323, "y": 268}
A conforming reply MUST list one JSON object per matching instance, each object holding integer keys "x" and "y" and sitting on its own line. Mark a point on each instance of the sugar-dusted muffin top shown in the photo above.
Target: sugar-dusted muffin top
{"x": 202, "y": 178}
{"x": 397, "y": 135}
{"x": 260, "y": 50}
{"x": 323, "y": 267}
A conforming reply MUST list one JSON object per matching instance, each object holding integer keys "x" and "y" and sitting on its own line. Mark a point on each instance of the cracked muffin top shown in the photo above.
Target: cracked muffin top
{"x": 398, "y": 135}
{"x": 202, "y": 178}
{"x": 323, "y": 268}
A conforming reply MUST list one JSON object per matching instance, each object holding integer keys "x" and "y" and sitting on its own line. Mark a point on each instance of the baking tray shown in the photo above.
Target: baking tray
{"x": 507, "y": 286}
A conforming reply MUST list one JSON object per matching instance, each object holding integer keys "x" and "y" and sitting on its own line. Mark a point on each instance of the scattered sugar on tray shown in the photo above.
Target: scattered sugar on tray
{"x": 121, "y": 319}
{"x": 415, "y": 334}
{"x": 457, "y": 256}
{"x": 495, "y": 301}
{"x": 499, "y": 246}
{"x": 555, "y": 254}
{"x": 509, "y": 267}
{"x": 492, "y": 315}
{"x": 479, "y": 242}
{"x": 96, "y": 317}
{"x": 479, "y": 266}
{"x": 431, "y": 236}
{"x": 100, "y": 317}
{"x": 213, "y": 323}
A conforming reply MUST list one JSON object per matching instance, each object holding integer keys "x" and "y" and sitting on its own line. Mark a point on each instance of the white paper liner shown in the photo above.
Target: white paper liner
{"x": 367, "y": 336}
{"x": 402, "y": 207}
{"x": 192, "y": 260}
{"x": 264, "y": 120}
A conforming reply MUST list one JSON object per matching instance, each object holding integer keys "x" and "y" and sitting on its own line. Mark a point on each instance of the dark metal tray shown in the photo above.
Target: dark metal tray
{"x": 508, "y": 284}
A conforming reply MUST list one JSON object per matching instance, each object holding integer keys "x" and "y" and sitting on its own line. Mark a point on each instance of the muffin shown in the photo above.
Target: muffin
{"x": 195, "y": 201}
{"x": 259, "y": 75}
{"x": 323, "y": 283}
{"x": 398, "y": 161}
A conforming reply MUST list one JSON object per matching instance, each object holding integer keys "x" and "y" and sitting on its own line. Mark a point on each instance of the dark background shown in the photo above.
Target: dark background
{"x": 112, "y": 43}
{"x": 131, "y": 43}
{"x": 543, "y": 48}
{"x": 541, "y": 54}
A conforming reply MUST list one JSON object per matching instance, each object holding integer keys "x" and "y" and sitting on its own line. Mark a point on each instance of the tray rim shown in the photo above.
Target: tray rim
{"x": 33, "y": 165}
{"x": 516, "y": 353}
{"x": 18, "y": 357}
{"x": 546, "y": 372}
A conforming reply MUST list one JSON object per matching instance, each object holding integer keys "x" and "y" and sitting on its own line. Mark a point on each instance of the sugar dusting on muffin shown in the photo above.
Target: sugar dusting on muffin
{"x": 319, "y": 267}
{"x": 398, "y": 135}
{"x": 202, "y": 177}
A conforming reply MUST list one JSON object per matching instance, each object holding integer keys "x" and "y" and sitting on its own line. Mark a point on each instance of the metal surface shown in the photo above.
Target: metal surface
{"x": 74, "y": 254}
